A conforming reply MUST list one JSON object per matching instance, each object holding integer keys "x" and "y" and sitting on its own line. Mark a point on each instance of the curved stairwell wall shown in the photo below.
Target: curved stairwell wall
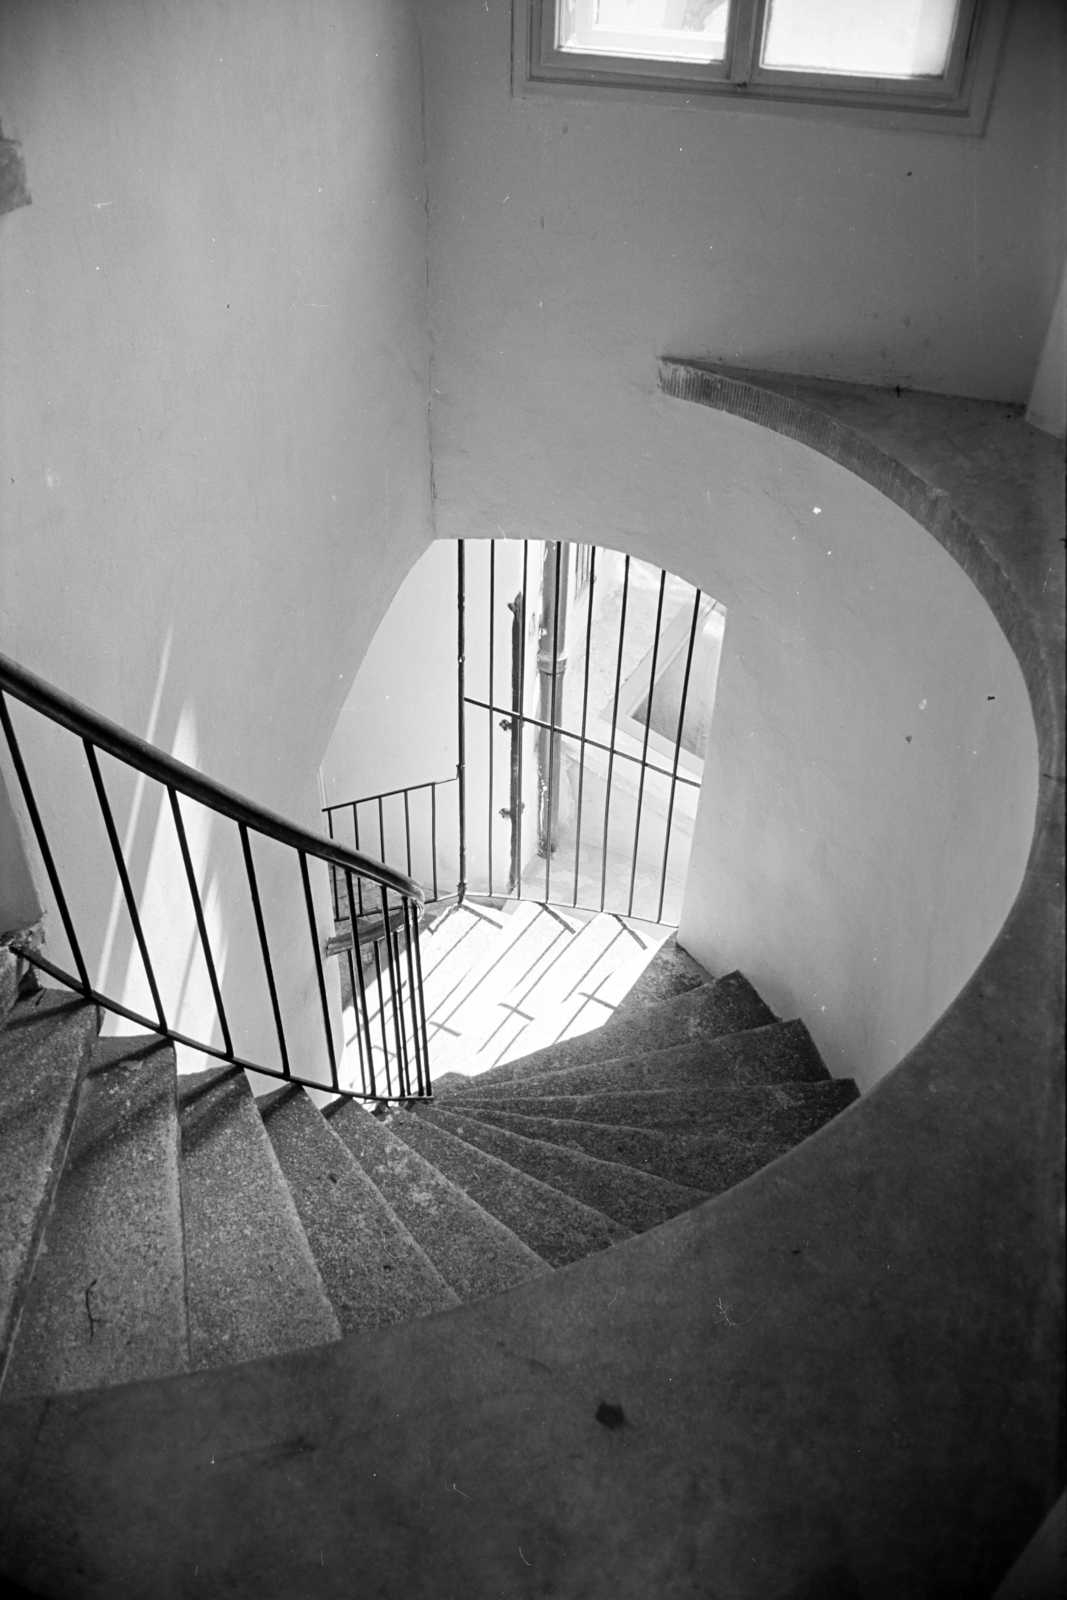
{"x": 841, "y": 1379}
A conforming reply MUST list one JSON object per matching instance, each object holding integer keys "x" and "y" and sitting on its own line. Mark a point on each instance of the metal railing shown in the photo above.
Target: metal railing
{"x": 590, "y": 729}
{"x": 388, "y": 1047}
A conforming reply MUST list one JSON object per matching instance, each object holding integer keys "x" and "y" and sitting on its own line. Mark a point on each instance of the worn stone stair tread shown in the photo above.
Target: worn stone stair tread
{"x": 45, "y": 1047}
{"x": 728, "y": 1005}
{"x": 556, "y": 1227}
{"x": 373, "y": 1270}
{"x": 710, "y": 1156}
{"x": 253, "y": 1286}
{"x": 107, "y": 1300}
{"x": 475, "y": 1253}
{"x": 780, "y": 1052}
{"x": 696, "y": 1107}
{"x": 638, "y": 1199}
{"x": 672, "y": 971}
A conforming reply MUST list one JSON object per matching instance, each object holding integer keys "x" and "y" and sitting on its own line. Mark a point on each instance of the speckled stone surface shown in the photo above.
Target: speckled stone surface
{"x": 44, "y": 1051}
{"x": 671, "y": 971}
{"x": 781, "y": 1052}
{"x": 726, "y": 1006}
{"x": 473, "y": 1251}
{"x": 694, "y": 1108}
{"x": 762, "y": 1125}
{"x": 107, "y": 1300}
{"x": 253, "y": 1286}
{"x": 373, "y": 1270}
{"x": 637, "y": 1199}
{"x": 556, "y": 1227}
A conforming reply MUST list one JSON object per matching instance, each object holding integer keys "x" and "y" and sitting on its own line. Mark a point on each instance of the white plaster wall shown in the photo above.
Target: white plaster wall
{"x": 212, "y": 397}
{"x": 572, "y": 244}
{"x": 1047, "y": 409}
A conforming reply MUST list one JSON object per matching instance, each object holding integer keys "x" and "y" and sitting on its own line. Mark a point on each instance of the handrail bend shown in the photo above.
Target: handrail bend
{"x": 387, "y": 999}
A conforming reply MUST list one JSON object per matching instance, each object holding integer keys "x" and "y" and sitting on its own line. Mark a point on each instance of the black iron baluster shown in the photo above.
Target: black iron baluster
{"x": 553, "y": 797}
{"x": 677, "y": 753}
{"x": 268, "y": 965}
{"x": 363, "y": 1016}
{"x": 407, "y": 826}
{"x": 392, "y": 985}
{"x": 461, "y": 684}
{"x": 355, "y": 1011}
{"x": 352, "y": 909}
{"x": 44, "y": 847}
{"x": 201, "y": 922}
{"x": 521, "y": 714}
{"x": 585, "y": 711}
{"x": 381, "y": 1013}
{"x": 411, "y": 915}
{"x": 313, "y": 925}
{"x": 333, "y": 869}
{"x": 491, "y": 696}
{"x": 433, "y": 837}
{"x": 644, "y": 742}
{"x": 614, "y": 727}
{"x": 420, "y": 1000}
{"x": 381, "y": 828}
{"x": 124, "y": 879}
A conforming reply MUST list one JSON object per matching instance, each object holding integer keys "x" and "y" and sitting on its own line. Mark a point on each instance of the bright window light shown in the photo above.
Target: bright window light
{"x": 657, "y": 30}
{"x": 864, "y": 38}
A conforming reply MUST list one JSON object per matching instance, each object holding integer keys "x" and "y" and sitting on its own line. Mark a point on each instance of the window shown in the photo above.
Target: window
{"x": 926, "y": 63}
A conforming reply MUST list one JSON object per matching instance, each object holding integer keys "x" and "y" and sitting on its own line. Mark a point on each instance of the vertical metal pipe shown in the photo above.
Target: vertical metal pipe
{"x": 677, "y": 752}
{"x": 489, "y": 697}
{"x": 313, "y": 926}
{"x": 461, "y": 683}
{"x": 43, "y": 845}
{"x": 644, "y": 742}
{"x": 124, "y": 879}
{"x": 201, "y": 922}
{"x": 585, "y": 712}
{"x": 363, "y": 1014}
{"x": 614, "y": 728}
{"x": 261, "y": 928}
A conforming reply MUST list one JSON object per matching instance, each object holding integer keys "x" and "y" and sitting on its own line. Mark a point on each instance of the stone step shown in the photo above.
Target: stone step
{"x": 637, "y": 1199}
{"x": 486, "y": 1019}
{"x": 374, "y": 1272}
{"x": 45, "y": 1047}
{"x": 473, "y": 1251}
{"x": 556, "y": 1227}
{"x": 728, "y": 1005}
{"x": 780, "y": 1052}
{"x": 695, "y": 1107}
{"x": 253, "y": 1286}
{"x": 754, "y": 1127}
{"x": 672, "y": 971}
{"x": 107, "y": 1300}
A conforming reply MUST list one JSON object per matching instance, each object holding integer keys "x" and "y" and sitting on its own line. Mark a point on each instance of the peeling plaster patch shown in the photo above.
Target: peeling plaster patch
{"x": 13, "y": 190}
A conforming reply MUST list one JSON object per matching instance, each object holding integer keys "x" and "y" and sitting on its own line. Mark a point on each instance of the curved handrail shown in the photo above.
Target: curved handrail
{"x": 388, "y": 997}
{"x": 71, "y": 714}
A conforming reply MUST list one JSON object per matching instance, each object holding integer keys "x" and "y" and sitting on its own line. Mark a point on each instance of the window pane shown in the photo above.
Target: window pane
{"x": 664, "y": 30}
{"x": 872, "y": 38}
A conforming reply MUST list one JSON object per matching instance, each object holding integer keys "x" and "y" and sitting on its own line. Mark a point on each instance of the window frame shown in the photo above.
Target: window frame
{"x": 957, "y": 102}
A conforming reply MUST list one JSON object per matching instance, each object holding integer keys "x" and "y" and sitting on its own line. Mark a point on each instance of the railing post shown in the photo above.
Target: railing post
{"x": 461, "y": 681}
